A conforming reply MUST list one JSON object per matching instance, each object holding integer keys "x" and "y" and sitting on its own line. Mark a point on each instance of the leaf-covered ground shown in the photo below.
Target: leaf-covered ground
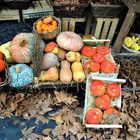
{"x": 60, "y": 115}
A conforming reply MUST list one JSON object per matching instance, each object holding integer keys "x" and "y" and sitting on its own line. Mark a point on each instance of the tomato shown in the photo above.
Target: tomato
{"x": 103, "y": 102}
{"x": 111, "y": 111}
{"x": 108, "y": 67}
{"x": 97, "y": 88}
{"x": 1, "y": 55}
{"x": 98, "y": 58}
{"x": 94, "y": 67}
{"x": 102, "y": 50}
{"x": 113, "y": 90}
{"x": 93, "y": 116}
{"x": 88, "y": 51}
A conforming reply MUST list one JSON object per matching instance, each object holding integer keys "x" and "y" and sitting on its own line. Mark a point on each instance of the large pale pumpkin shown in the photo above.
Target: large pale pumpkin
{"x": 21, "y": 47}
{"x": 69, "y": 41}
{"x": 20, "y": 75}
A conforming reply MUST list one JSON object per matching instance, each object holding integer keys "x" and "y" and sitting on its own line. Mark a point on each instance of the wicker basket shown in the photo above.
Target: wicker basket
{"x": 70, "y": 10}
{"x": 17, "y": 4}
{"x": 4, "y": 75}
{"x": 48, "y": 35}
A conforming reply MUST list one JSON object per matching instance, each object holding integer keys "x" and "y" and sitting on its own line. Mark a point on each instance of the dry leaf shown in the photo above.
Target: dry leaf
{"x": 47, "y": 138}
{"x": 46, "y": 131}
{"x": 42, "y": 119}
{"x": 3, "y": 98}
{"x": 57, "y": 118}
{"x": 26, "y": 131}
{"x": 13, "y": 106}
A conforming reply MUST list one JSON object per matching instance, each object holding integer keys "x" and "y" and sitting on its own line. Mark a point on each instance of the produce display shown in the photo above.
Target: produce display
{"x": 132, "y": 43}
{"x": 66, "y": 1}
{"x": 98, "y": 60}
{"x": 103, "y": 101}
{"x": 47, "y": 24}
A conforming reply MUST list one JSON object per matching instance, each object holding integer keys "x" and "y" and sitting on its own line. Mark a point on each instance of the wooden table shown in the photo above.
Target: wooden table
{"x": 134, "y": 7}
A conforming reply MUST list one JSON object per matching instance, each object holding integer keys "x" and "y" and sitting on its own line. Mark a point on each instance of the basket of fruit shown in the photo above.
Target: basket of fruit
{"x": 3, "y": 71}
{"x": 67, "y": 8}
{"x": 132, "y": 44}
{"x": 47, "y": 27}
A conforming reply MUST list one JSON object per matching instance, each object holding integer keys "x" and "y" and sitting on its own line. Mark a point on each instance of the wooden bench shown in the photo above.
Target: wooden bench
{"x": 101, "y": 28}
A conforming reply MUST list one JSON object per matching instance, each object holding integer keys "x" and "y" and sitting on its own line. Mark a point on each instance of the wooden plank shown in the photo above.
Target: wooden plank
{"x": 130, "y": 17}
{"x": 106, "y": 28}
{"x": 88, "y": 23}
{"x": 65, "y": 24}
{"x": 113, "y": 28}
{"x": 72, "y": 25}
{"x": 98, "y": 27}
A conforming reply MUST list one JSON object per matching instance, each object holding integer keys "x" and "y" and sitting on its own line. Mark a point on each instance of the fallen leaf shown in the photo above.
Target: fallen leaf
{"x": 47, "y": 138}
{"x": 46, "y": 131}
{"x": 3, "y": 98}
{"x": 42, "y": 119}
{"x": 26, "y": 131}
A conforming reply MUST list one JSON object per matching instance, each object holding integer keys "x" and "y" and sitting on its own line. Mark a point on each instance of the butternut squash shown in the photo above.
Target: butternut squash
{"x": 78, "y": 72}
{"x": 61, "y": 54}
{"x": 50, "y": 75}
{"x": 78, "y": 56}
{"x": 71, "y": 56}
{"x": 65, "y": 72}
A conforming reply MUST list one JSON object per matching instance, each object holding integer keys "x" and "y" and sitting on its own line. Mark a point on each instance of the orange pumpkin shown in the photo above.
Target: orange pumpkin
{"x": 2, "y": 65}
{"x": 49, "y": 47}
{"x": 47, "y": 20}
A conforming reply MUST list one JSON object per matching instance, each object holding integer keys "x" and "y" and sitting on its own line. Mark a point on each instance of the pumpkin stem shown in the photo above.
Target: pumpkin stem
{"x": 18, "y": 69}
{"x": 23, "y": 43}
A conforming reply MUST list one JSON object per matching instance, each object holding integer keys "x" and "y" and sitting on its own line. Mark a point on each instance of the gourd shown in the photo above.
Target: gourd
{"x": 21, "y": 47}
{"x": 61, "y": 54}
{"x": 20, "y": 75}
{"x": 69, "y": 41}
{"x": 49, "y": 75}
{"x": 78, "y": 56}
{"x": 65, "y": 72}
{"x": 5, "y": 51}
{"x": 78, "y": 72}
{"x": 51, "y": 47}
{"x": 71, "y": 56}
{"x": 49, "y": 60}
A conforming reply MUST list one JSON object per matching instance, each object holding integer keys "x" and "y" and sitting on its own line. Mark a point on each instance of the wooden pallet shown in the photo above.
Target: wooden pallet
{"x": 39, "y": 9}
{"x": 7, "y": 14}
{"x": 68, "y": 24}
{"x": 101, "y": 28}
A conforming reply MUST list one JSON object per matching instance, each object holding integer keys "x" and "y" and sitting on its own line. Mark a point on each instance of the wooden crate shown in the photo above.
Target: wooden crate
{"x": 68, "y": 24}
{"x": 7, "y": 14}
{"x": 101, "y": 28}
{"x": 39, "y": 9}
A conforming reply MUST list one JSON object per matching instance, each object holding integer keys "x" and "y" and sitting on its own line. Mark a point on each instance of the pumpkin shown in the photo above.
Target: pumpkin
{"x": 65, "y": 72}
{"x": 78, "y": 56}
{"x": 103, "y": 102}
{"x": 78, "y": 72}
{"x": 93, "y": 116}
{"x": 49, "y": 75}
{"x": 4, "y": 48}
{"x": 49, "y": 60}
{"x": 88, "y": 51}
{"x": 69, "y": 41}
{"x": 2, "y": 65}
{"x": 20, "y": 75}
{"x": 51, "y": 47}
{"x": 61, "y": 54}
{"x": 21, "y": 47}
{"x": 71, "y": 56}
{"x": 103, "y": 50}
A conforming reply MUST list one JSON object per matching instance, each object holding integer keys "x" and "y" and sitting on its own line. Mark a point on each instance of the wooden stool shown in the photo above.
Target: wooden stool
{"x": 101, "y": 28}
{"x": 7, "y": 14}
{"x": 68, "y": 24}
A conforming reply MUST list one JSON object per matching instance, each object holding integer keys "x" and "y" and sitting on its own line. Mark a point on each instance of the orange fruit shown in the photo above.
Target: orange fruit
{"x": 39, "y": 23}
{"x": 44, "y": 27}
{"x": 39, "y": 28}
{"x": 47, "y": 20}
{"x": 54, "y": 23}
{"x": 51, "y": 28}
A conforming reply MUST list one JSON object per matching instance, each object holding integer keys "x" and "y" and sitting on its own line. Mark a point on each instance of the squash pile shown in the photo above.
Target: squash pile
{"x": 61, "y": 60}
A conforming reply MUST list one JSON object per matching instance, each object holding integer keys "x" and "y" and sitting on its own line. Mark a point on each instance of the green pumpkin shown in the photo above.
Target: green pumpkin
{"x": 20, "y": 75}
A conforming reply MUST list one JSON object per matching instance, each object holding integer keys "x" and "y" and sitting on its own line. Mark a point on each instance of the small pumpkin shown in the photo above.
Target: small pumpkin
{"x": 21, "y": 47}
{"x": 20, "y": 75}
{"x": 69, "y": 41}
{"x": 71, "y": 56}
{"x": 65, "y": 72}
{"x": 51, "y": 47}
{"x": 78, "y": 72}
{"x": 49, "y": 60}
{"x": 2, "y": 65}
